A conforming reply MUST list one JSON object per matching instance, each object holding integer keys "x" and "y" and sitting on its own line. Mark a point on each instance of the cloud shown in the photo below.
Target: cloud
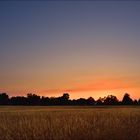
{"x": 95, "y": 86}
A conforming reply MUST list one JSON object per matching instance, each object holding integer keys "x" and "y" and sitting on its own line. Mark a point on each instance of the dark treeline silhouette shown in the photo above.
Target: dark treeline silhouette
{"x": 33, "y": 99}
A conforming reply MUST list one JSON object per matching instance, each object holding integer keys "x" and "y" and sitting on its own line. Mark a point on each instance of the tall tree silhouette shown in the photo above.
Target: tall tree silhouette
{"x": 127, "y": 100}
{"x": 4, "y": 98}
{"x": 64, "y": 100}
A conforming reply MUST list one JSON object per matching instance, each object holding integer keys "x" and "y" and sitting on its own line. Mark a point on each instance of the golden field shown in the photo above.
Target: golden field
{"x": 69, "y": 123}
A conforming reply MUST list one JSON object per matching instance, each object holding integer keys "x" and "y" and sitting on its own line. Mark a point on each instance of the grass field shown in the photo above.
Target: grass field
{"x": 69, "y": 123}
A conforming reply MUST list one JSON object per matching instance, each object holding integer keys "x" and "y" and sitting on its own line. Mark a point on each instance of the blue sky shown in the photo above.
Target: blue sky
{"x": 53, "y": 47}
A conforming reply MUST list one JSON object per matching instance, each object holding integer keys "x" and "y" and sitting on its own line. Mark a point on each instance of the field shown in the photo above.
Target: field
{"x": 69, "y": 123}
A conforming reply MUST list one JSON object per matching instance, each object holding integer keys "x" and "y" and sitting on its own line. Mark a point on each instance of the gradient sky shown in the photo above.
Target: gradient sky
{"x": 86, "y": 48}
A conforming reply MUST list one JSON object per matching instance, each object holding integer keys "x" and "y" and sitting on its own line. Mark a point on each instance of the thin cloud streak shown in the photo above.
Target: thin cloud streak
{"x": 98, "y": 86}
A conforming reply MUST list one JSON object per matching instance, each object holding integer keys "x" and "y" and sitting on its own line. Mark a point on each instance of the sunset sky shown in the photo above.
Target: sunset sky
{"x": 85, "y": 48}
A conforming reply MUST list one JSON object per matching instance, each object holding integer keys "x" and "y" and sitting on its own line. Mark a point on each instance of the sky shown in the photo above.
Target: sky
{"x": 85, "y": 48}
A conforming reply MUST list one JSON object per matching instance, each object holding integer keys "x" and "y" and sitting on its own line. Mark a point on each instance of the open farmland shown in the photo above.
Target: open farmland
{"x": 69, "y": 123}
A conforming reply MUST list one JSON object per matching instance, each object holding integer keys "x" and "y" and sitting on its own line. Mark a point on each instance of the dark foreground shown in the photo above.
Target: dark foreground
{"x": 69, "y": 123}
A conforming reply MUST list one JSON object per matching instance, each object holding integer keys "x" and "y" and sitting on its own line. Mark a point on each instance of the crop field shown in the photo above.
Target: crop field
{"x": 69, "y": 123}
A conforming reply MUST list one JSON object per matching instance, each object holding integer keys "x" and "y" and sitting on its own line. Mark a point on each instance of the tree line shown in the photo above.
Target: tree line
{"x": 33, "y": 99}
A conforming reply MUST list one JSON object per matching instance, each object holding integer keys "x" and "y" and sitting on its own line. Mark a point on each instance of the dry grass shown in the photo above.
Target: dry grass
{"x": 69, "y": 123}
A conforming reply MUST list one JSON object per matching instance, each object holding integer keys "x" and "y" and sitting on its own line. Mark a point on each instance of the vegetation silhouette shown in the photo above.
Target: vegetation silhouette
{"x": 33, "y": 99}
{"x": 127, "y": 100}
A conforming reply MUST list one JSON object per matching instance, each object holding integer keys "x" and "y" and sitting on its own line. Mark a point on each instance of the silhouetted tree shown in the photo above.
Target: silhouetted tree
{"x": 99, "y": 101}
{"x": 110, "y": 100}
{"x": 139, "y": 102}
{"x": 127, "y": 100}
{"x": 90, "y": 101}
{"x": 81, "y": 101}
{"x": 4, "y": 99}
{"x": 66, "y": 96}
{"x": 19, "y": 100}
{"x": 135, "y": 102}
{"x": 62, "y": 100}
{"x": 33, "y": 99}
{"x": 45, "y": 101}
